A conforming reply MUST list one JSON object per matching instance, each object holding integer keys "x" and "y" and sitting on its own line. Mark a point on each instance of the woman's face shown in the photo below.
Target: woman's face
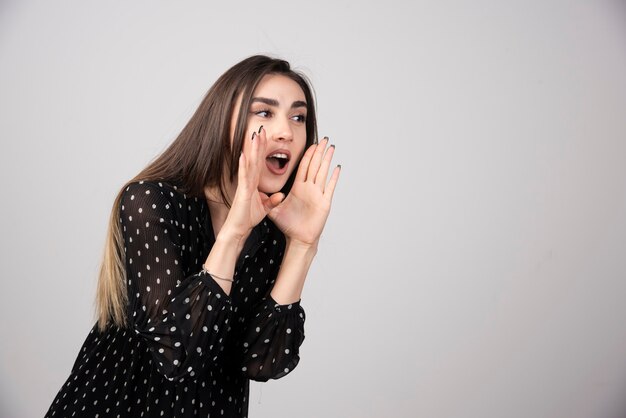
{"x": 278, "y": 103}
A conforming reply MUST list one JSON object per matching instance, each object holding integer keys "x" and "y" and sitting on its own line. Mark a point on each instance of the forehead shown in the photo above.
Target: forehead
{"x": 279, "y": 87}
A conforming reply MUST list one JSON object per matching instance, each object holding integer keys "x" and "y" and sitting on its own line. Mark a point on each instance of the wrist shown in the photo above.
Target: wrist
{"x": 229, "y": 237}
{"x": 293, "y": 271}
{"x": 300, "y": 247}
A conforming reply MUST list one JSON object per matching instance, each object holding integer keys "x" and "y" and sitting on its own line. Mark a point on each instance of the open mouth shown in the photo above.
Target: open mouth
{"x": 277, "y": 161}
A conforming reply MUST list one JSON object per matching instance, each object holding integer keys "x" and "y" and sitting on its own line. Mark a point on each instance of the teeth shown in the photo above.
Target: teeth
{"x": 279, "y": 155}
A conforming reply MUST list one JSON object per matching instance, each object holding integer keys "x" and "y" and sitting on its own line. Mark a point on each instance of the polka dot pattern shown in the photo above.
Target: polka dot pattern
{"x": 189, "y": 349}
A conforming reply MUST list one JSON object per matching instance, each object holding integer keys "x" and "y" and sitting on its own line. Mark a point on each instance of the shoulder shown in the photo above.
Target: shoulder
{"x": 151, "y": 190}
{"x": 161, "y": 196}
{"x": 150, "y": 186}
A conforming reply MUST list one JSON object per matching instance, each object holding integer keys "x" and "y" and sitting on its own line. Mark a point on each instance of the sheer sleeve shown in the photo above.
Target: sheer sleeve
{"x": 181, "y": 314}
{"x": 274, "y": 333}
{"x": 272, "y": 341}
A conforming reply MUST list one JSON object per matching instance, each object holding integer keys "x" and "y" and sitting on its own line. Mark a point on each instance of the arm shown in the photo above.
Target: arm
{"x": 293, "y": 272}
{"x": 270, "y": 345}
{"x": 249, "y": 207}
{"x": 277, "y": 331}
{"x": 179, "y": 313}
{"x": 302, "y": 217}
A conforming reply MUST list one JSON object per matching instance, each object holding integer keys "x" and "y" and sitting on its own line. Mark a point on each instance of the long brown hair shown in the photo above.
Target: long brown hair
{"x": 198, "y": 157}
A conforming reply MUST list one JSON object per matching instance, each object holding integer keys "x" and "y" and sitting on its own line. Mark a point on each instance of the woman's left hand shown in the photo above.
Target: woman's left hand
{"x": 303, "y": 213}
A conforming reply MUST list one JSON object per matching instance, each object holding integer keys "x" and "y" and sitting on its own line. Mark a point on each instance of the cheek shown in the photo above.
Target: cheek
{"x": 299, "y": 154}
{"x": 301, "y": 144}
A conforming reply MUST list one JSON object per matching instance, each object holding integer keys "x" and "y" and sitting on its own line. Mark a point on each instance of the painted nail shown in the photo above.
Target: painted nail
{"x": 253, "y": 135}
{"x": 260, "y": 128}
{"x": 339, "y": 165}
{"x": 332, "y": 146}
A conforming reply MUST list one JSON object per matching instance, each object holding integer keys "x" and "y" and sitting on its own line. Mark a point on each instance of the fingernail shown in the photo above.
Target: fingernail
{"x": 339, "y": 165}
{"x": 253, "y": 135}
{"x": 260, "y": 128}
{"x": 332, "y": 146}
{"x": 326, "y": 138}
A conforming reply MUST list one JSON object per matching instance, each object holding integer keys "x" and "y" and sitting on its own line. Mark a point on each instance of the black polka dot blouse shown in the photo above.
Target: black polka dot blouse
{"x": 189, "y": 349}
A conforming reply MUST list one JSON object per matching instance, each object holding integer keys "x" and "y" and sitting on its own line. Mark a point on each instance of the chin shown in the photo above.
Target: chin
{"x": 271, "y": 187}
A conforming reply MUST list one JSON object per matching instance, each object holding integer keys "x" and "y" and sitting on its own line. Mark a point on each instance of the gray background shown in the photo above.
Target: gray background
{"x": 473, "y": 264}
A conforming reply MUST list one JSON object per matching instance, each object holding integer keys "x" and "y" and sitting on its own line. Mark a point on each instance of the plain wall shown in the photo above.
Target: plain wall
{"x": 473, "y": 264}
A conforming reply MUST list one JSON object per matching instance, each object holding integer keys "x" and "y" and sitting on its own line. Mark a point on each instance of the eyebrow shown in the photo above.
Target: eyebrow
{"x": 273, "y": 102}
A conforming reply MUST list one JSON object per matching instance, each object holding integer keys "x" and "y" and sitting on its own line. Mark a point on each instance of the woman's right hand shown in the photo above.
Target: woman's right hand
{"x": 249, "y": 205}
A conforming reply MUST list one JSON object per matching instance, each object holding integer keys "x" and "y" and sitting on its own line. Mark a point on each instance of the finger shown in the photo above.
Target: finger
{"x": 247, "y": 144}
{"x": 304, "y": 164}
{"x": 262, "y": 139}
{"x": 254, "y": 148}
{"x": 264, "y": 198}
{"x": 322, "y": 174}
{"x": 252, "y": 158}
{"x": 314, "y": 165}
{"x": 243, "y": 170}
{"x": 332, "y": 183}
{"x": 273, "y": 201}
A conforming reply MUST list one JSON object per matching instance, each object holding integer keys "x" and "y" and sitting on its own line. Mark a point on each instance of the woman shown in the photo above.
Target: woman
{"x": 206, "y": 256}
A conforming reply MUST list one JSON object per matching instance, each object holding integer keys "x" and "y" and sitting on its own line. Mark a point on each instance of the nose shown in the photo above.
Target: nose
{"x": 282, "y": 130}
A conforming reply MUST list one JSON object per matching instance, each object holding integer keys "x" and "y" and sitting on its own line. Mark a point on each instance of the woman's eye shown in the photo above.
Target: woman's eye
{"x": 299, "y": 118}
{"x": 263, "y": 113}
